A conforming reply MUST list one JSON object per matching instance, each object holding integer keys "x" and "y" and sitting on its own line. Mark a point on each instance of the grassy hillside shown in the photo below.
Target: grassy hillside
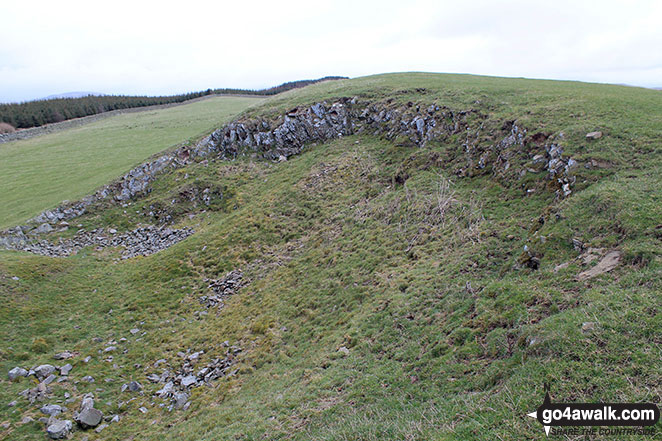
{"x": 385, "y": 295}
{"x": 41, "y": 172}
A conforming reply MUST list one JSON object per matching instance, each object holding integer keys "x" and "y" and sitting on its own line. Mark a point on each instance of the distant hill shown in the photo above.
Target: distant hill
{"x": 58, "y": 108}
{"x": 72, "y": 95}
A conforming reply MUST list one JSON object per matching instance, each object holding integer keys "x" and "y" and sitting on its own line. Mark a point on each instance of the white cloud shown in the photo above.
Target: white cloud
{"x": 161, "y": 48}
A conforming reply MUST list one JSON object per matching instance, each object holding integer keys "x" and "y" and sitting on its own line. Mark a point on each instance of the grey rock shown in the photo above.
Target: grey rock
{"x": 52, "y": 409}
{"x": 12, "y": 403}
{"x": 134, "y": 331}
{"x": 16, "y": 373}
{"x": 88, "y": 379}
{"x": 142, "y": 409}
{"x": 189, "y": 380}
{"x": 594, "y": 135}
{"x": 27, "y": 420}
{"x": 64, "y": 370}
{"x": 167, "y": 389}
{"x": 63, "y": 355}
{"x": 180, "y": 399}
{"x": 59, "y": 429}
{"x": 132, "y": 386}
{"x": 43, "y": 228}
{"x": 44, "y": 371}
{"x": 48, "y": 380}
{"x": 87, "y": 403}
{"x": 89, "y": 418}
{"x": 100, "y": 428}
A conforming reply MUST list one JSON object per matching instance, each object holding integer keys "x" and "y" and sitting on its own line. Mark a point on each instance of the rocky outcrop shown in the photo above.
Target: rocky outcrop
{"x": 281, "y": 137}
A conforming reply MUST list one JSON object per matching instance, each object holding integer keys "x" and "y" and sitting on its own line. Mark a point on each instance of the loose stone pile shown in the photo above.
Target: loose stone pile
{"x": 139, "y": 242}
{"x": 177, "y": 384}
{"x": 222, "y": 288}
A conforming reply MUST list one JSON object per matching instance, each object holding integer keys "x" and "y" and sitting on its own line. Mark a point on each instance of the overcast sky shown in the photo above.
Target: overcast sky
{"x": 140, "y": 47}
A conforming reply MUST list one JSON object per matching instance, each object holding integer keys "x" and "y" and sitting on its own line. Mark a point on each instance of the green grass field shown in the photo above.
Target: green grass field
{"x": 39, "y": 173}
{"x": 445, "y": 337}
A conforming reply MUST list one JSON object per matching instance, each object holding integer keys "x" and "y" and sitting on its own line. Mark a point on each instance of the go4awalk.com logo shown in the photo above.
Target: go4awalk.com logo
{"x": 596, "y": 418}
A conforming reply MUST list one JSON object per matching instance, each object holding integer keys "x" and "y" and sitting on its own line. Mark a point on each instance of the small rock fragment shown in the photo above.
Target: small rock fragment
{"x": 63, "y": 355}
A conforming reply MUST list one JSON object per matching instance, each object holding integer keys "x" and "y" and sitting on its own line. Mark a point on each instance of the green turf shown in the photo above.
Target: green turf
{"x": 39, "y": 173}
{"x": 447, "y": 338}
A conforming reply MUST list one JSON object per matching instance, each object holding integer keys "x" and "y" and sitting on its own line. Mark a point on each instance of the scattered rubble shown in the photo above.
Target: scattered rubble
{"x": 223, "y": 288}
{"x": 139, "y": 242}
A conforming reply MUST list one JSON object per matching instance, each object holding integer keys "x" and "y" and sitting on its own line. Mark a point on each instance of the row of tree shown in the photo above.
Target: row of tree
{"x": 40, "y": 112}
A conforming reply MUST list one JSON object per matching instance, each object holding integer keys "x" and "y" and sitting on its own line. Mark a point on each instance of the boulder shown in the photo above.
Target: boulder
{"x": 59, "y": 429}
{"x": 594, "y": 135}
{"x": 52, "y": 409}
{"x": 89, "y": 418}
{"x": 17, "y": 372}
{"x": 44, "y": 371}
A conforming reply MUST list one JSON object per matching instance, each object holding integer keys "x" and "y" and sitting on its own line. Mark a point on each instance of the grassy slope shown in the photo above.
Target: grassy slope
{"x": 41, "y": 172}
{"x": 342, "y": 257}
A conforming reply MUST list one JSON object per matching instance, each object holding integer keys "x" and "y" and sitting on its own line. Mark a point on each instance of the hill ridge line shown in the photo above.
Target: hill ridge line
{"x": 46, "y": 129}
